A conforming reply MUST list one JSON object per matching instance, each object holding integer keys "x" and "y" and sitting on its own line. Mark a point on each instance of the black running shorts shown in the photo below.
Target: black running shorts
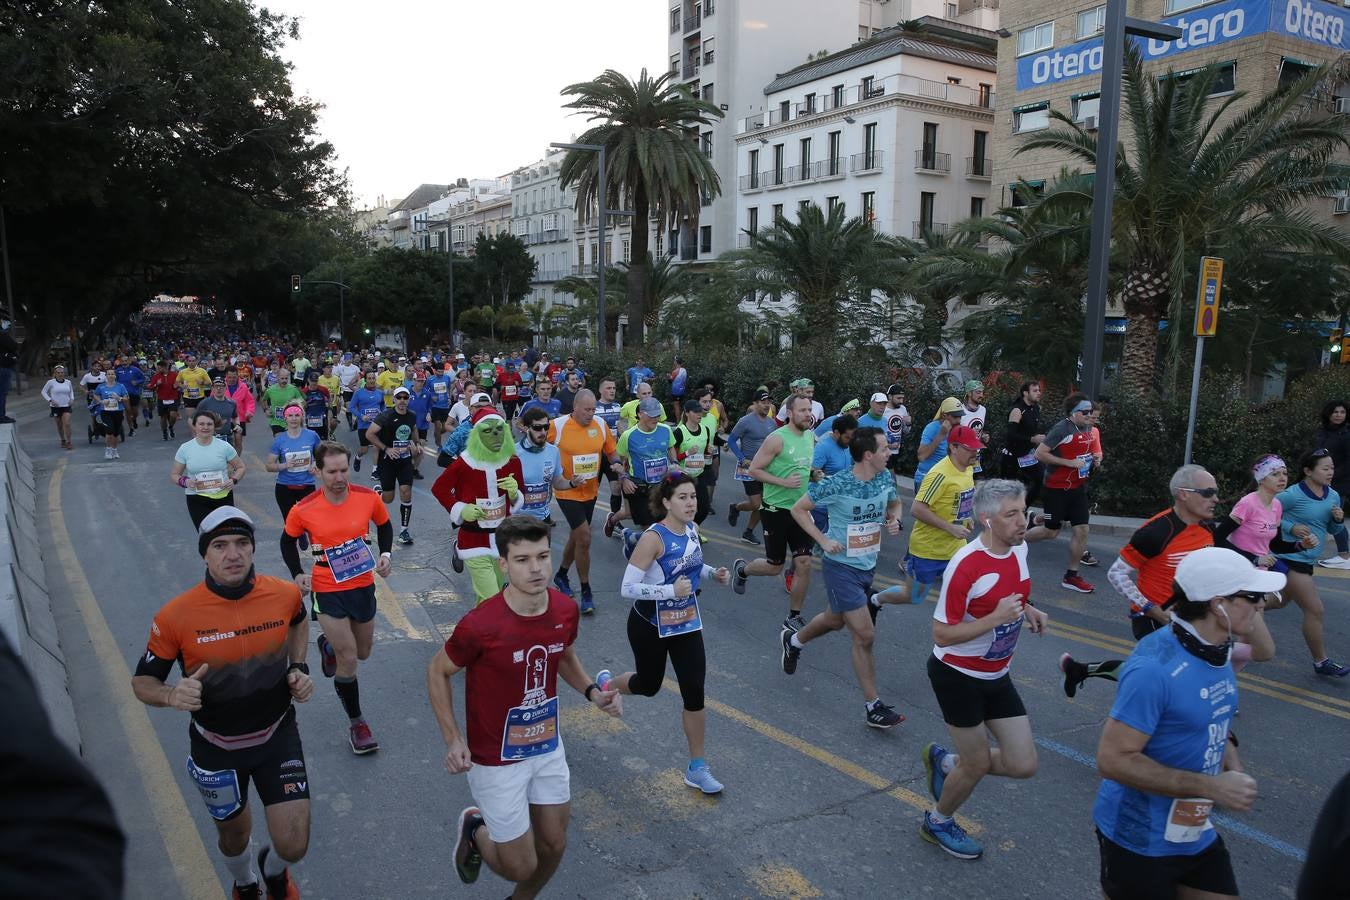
{"x": 1126, "y": 875}
{"x": 276, "y": 768}
{"x": 969, "y": 702}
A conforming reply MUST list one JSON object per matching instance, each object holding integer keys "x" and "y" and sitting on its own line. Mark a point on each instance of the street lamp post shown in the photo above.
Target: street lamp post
{"x": 342, "y": 303}
{"x": 1117, "y": 27}
{"x": 604, "y": 248}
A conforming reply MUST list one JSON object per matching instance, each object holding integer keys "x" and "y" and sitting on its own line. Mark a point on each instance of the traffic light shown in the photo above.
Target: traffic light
{"x": 295, "y": 286}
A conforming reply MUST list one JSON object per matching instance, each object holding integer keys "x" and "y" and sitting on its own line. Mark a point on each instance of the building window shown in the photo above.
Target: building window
{"x": 1031, "y": 118}
{"x": 862, "y": 32}
{"x": 869, "y": 207}
{"x": 1176, "y": 6}
{"x": 1091, "y": 21}
{"x": 831, "y": 203}
{"x": 659, "y": 237}
{"x": 595, "y": 253}
{"x": 1023, "y": 192}
{"x": 1291, "y": 70}
{"x": 929, "y": 150}
{"x": 627, "y": 250}
{"x": 927, "y": 199}
{"x": 777, "y": 164}
{"x": 752, "y": 219}
{"x": 809, "y": 104}
{"x": 805, "y": 158}
{"x": 705, "y": 143}
{"x": 837, "y": 95}
{"x": 976, "y": 207}
{"x": 777, "y": 212}
{"x": 707, "y": 8}
{"x": 986, "y": 98}
{"x": 1225, "y": 81}
{"x": 870, "y": 88}
{"x": 675, "y": 19}
{"x": 870, "y": 145}
{"x": 951, "y": 10}
{"x": 1085, "y": 105}
{"x": 1036, "y": 38}
{"x": 836, "y": 161}
{"x": 581, "y": 255}
{"x": 708, "y": 93}
{"x": 754, "y": 168}
{"x": 705, "y": 239}
{"x": 784, "y": 110}
{"x": 674, "y": 63}
{"x": 802, "y": 206}
{"x": 708, "y": 49}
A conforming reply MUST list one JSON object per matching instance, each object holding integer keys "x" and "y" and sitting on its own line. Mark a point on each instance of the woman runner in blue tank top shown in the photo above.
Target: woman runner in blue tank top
{"x": 662, "y": 579}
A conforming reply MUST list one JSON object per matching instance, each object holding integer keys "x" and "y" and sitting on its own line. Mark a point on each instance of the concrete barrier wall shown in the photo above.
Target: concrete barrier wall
{"x": 25, "y": 607}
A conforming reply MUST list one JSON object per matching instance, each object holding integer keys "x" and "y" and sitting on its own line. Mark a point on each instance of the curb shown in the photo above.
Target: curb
{"x": 25, "y": 606}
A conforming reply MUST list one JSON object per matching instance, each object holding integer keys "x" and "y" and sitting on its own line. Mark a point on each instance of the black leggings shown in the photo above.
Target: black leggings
{"x": 200, "y": 507}
{"x": 288, "y": 496}
{"x": 649, "y": 659}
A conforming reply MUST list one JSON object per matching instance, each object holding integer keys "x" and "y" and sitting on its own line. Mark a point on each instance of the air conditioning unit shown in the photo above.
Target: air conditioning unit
{"x": 1089, "y": 123}
{"x": 1342, "y": 105}
{"x": 1342, "y": 204}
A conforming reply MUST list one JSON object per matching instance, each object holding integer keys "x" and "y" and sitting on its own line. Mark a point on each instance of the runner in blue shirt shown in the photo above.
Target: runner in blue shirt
{"x": 419, "y": 404}
{"x": 637, "y": 374}
{"x": 367, "y": 403}
{"x": 291, "y": 456}
{"x": 112, "y": 399}
{"x": 130, "y": 376}
{"x": 541, "y": 464}
{"x": 440, "y": 385}
{"x": 647, "y": 451}
{"x": 933, "y": 442}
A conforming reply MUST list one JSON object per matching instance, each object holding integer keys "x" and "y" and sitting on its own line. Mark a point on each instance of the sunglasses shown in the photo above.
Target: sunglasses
{"x": 1249, "y": 596}
{"x": 1207, "y": 493}
{"x": 543, "y": 427}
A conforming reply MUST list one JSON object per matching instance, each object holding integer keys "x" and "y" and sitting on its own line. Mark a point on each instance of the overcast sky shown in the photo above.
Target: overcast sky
{"x": 430, "y": 90}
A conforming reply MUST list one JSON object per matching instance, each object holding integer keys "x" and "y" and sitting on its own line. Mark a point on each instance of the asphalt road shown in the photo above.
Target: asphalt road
{"x": 816, "y": 804}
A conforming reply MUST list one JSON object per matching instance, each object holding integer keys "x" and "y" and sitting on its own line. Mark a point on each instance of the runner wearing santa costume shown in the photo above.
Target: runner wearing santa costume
{"x": 480, "y": 489}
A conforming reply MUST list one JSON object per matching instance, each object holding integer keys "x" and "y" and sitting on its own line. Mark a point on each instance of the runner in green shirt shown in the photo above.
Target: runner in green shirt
{"x": 275, "y": 398}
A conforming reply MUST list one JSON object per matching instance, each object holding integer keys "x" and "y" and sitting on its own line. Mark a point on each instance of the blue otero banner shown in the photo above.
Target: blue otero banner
{"x": 1314, "y": 21}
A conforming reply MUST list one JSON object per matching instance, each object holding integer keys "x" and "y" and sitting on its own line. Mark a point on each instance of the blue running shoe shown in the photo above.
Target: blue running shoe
{"x": 950, "y": 837}
{"x": 702, "y": 779}
{"x": 561, "y": 583}
{"x": 603, "y": 678}
{"x": 630, "y": 542}
{"x": 587, "y": 602}
{"x": 933, "y": 755}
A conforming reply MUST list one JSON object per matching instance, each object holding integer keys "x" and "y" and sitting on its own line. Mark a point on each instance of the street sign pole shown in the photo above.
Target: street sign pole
{"x": 1206, "y": 325}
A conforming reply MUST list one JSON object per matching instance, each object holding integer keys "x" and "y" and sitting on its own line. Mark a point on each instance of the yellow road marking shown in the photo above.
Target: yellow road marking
{"x": 182, "y": 843}
{"x": 781, "y": 881}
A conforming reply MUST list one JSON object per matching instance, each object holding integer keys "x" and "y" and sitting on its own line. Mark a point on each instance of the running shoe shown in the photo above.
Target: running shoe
{"x": 738, "y": 576}
{"x": 1088, "y": 559}
{"x": 327, "y": 658}
{"x": 246, "y": 892}
{"x": 166, "y": 435}
{"x": 950, "y": 837}
{"x": 611, "y": 521}
{"x": 356, "y": 464}
{"x": 933, "y": 755}
{"x": 107, "y": 453}
{"x": 882, "y": 716}
{"x": 790, "y": 653}
{"x": 873, "y": 607}
{"x": 404, "y": 537}
{"x": 1332, "y": 668}
{"x": 279, "y": 887}
{"x": 467, "y": 858}
{"x": 587, "y": 602}
{"x": 456, "y": 562}
{"x": 603, "y": 678}
{"x": 733, "y": 514}
{"x": 117, "y": 454}
{"x": 1335, "y": 562}
{"x": 1074, "y": 674}
{"x": 630, "y": 542}
{"x": 362, "y": 740}
{"x": 702, "y": 778}
{"x": 795, "y": 622}
{"x": 561, "y": 583}
{"x": 748, "y": 537}
{"x": 1076, "y": 582}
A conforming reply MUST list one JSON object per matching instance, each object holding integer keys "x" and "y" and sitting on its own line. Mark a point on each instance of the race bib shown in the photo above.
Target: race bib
{"x": 493, "y": 511}
{"x": 743, "y": 473}
{"x": 208, "y": 482}
{"x": 653, "y": 470}
{"x": 537, "y": 495}
{"x": 1187, "y": 820}
{"x": 167, "y": 402}
{"x": 220, "y": 790}
{"x": 313, "y": 421}
{"x": 965, "y": 506}
{"x": 147, "y": 394}
{"x": 278, "y": 412}
{"x": 864, "y": 539}
{"x": 694, "y": 463}
{"x": 530, "y": 731}
{"x": 510, "y": 391}
{"x": 441, "y": 387}
{"x": 585, "y": 466}
{"x": 1027, "y": 460}
{"x": 398, "y": 449}
{"x": 368, "y": 415}
{"x": 678, "y": 615}
{"x": 1005, "y": 640}
{"x": 298, "y": 460}
{"x": 346, "y": 561}
{"x": 111, "y": 404}
{"x": 1084, "y": 465}
{"x": 192, "y": 393}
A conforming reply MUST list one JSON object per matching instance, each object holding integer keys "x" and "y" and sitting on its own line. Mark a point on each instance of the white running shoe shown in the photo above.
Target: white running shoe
{"x": 1335, "y": 562}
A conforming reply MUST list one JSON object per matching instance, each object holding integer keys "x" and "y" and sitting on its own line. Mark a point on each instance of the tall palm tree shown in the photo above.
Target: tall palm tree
{"x": 649, "y": 129}
{"x": 828, "y": 263}
{"x": 1196, "y": 176}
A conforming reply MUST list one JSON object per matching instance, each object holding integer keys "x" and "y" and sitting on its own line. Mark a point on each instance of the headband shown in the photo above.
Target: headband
{"x": 1267, "y": 466}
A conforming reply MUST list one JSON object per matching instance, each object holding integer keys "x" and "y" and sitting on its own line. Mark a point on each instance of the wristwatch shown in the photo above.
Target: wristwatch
{"x": 298, "y": 667}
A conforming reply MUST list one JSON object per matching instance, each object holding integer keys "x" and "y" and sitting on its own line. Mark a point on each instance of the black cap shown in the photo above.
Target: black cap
{"x": 761, "y": 395}
{"x": 896, "y": 388}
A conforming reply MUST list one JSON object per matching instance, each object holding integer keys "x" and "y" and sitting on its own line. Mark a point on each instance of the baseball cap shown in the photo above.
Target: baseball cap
{"x": 948, "y": 406}
{"x": 896, "y": 388}
{"x": 964, "y": 436}
{"x": 217, "y": 380}
{"x": 879, "y": 397}
{"x": 849, "y": 407}
{"x": 223, "y": 521}
{"x": 1220, "y": 572}
{"x": 479, "y": 398}
{"x": 973, "y": 385}
{"x": 379, "y": 365}
{"x": 761, "y": 394}
{"x": 402, "y": 390}
{"x": 650, "y": 407}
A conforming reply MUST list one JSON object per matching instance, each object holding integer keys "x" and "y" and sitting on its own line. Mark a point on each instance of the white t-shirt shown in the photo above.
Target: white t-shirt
{"x": 59, "y": 393}
{"x": 459, "y": 412}
{"x": 91, "y": 381}
{"x": 973, "y": 419}
{"x": 817, "y": 414}
{"x": 348, "y": 375}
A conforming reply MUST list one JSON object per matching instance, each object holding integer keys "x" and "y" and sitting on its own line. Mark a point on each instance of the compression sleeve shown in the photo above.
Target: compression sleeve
{"x": 290, "y": 554}
{"x": 1227, "y": 525}
{"x": 1119, "y": 576}
{"x": 384, "y": 536}
{"x": 634, "y": 588}
{"x": 709, "y": 571}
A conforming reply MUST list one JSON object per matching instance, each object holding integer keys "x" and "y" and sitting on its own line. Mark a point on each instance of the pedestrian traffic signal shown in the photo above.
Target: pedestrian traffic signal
{"x": 295, "y": 284}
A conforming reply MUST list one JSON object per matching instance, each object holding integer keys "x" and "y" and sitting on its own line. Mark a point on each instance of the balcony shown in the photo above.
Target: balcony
{"x": 927, "y": 159}
{"x": 585, "y": 271}
{"x": 752, "y": 182}
{"x": 979, "y": 167}
{"x": 742, "y": 241}
{"x": 751, "y": 123}
{"x": 934, "y": 228}
{"x": 866, "y": 163}
{"x": 908, "y": 85}
{"x": 691, "y": 22}
{"x": 691, "y": 69}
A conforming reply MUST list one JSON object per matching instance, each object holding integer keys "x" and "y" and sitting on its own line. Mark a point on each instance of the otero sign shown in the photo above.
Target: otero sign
{"x": 1314, "y": 21}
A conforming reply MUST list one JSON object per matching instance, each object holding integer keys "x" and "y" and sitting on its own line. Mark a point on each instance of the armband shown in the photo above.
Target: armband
{"x": 182, "y": 481}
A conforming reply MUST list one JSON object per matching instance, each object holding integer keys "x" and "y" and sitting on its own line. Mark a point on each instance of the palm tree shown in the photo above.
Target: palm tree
{"x": 648, "y": 128}
{"x": 1200, "y": 177}
{"x": 831, "y": 265}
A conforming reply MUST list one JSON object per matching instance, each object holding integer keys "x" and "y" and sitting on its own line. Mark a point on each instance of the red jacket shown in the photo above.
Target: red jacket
{"x": 465, "y": 482}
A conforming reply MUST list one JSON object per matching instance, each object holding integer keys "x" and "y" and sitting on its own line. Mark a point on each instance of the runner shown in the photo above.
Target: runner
{"x": 277, "y": 396}
{"x": 386, "y": 380}
{"x": 512, "y": 650}
{"x": 350, "y": 380}
{"x": 419, "y": 404}
{"x": 163, "y": 383}
{"x": 1020, "y": 440}
{"x": 567, "y": 392}
{"x": 225, "y": 409}
{"x": 628, "y": 412}
{"x": 337, "y": 518}
{"x": 647, "y": 452}
{"x": 803, "y": 387}
{"x": 479, "y": 490}
{"x": 239, "y": 691}
{"x": 1066, "y": 454}
{"x": 783, "y": 464}
{"x": 291, "y": 457}
{"x": 1166, "y": 755}
{"x": 112, "y": 404}
{"x": 193, "y": 381}
{"x": 317, "y": 402}
{"x": 236, "y": 389}
{"x": 694, "y": 440}
{"x": 933, "y": 439}
{"x": 207, "y": 468}
{"x": 1252, "y": 527}
{"x": 543, "y": 399}
{"x": 508, "y": 385}
{"x": 826, "y": 425}
{"x": 59, "y": 392}
{"x": 985, "y": 601}
{"x": 663, "y": 579}
{"x": 716, "y": 419}
{"x": 747, "y": 436}
{"x": 638, "y": 373}
{"x": 393, "y": 434}
{"x": 679, "y": 383}
{"x": 859, "y": 502}
{"x": 585, "y": 444}
{"x": 130, "y": 376}
{"x": 442, "y": 396}
{"x": 367, "y": 403}
{"x": 540, "y": 463}
{"x": 973, "y": 415}
{"x": 454, "y": 445}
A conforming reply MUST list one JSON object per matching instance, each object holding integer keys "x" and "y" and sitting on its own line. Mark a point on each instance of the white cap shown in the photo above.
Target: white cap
{"x": 402, "y": 390}
{"x": 479, "y": 398}
{"x": 879, "y": 397}
{"x": 1219, "y": 572}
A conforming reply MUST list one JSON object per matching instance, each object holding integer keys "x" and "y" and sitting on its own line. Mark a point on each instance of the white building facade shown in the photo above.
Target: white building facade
{"x": 542, "y": 217}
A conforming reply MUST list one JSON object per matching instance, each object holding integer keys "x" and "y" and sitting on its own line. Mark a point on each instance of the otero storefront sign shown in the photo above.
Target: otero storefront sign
{"x": 1314, "y": 21}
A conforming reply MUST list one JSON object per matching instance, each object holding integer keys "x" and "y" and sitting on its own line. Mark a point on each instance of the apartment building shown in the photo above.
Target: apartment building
{"x": 542, "y": 217}
{"x": 1052, "y": 59}
{"x": 895, "y": 130}
{"x": 727, "y": 51}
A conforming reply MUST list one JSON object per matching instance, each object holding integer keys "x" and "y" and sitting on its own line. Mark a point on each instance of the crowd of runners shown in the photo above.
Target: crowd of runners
{"x": 519, "y": 445}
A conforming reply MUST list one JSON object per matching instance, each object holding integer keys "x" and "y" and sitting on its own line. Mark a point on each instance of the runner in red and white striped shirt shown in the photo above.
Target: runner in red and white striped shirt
{"x": 985, "y": 603}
